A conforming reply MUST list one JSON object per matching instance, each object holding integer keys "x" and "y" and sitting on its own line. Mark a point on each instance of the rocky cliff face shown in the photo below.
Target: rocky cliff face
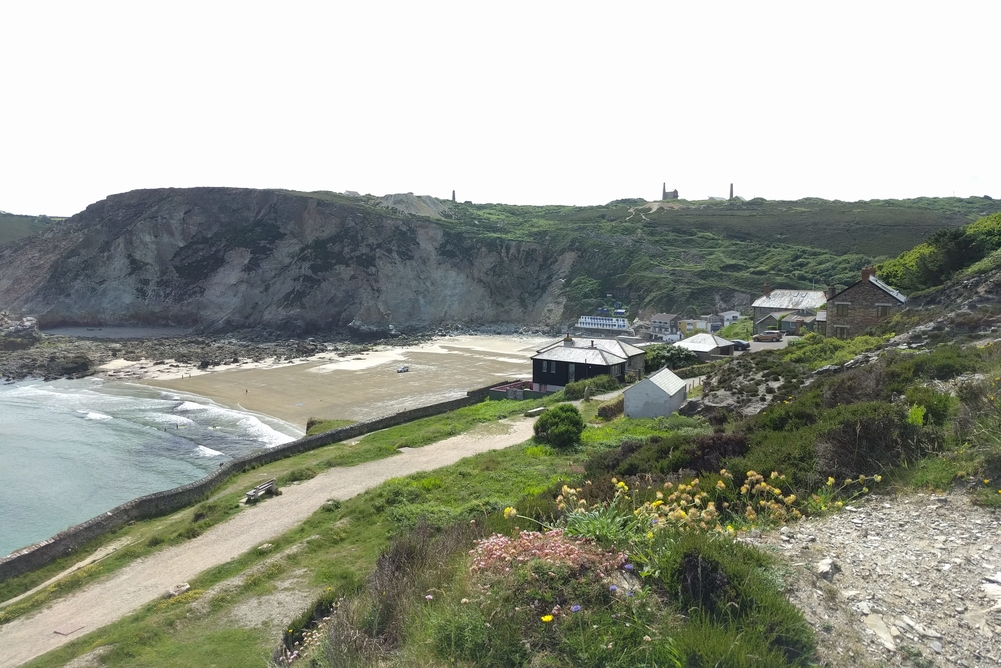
{"x": 225, "y": 259}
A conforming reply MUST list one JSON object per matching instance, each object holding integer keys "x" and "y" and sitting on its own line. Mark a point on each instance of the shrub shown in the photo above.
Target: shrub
{"x": 560, "y": 426}
{"x": 612, "y": 409}
{"x": 598, "y": 384}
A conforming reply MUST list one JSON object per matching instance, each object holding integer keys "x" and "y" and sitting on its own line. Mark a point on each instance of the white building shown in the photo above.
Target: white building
{"x": 707, "y": 346}
{"x": 603, "y": 322}
{"x": 661, "y": 393}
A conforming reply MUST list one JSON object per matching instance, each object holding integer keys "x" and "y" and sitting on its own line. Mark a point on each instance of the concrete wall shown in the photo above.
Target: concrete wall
{"x": 646, "y": 400}
{"x": 171, "y": 500}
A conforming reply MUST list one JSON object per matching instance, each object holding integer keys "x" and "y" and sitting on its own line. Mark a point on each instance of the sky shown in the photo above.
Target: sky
{"x": 516, "y": 102}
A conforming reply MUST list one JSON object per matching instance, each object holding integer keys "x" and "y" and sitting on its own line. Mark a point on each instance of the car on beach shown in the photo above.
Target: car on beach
{"x": 768, "y": 335}
{"x": 740, "y": 344}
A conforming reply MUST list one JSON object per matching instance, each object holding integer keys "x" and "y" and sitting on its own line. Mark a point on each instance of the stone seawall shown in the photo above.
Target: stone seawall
{"x": 171, "y": 500}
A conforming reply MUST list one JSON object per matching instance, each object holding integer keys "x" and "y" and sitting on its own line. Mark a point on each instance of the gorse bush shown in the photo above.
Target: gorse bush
{"x": 560, "y": 426}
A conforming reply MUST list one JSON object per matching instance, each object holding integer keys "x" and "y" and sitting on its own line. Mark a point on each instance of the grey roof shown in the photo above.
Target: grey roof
{"x": 667, "y": 317}
{"x": 667, "y": 380}
{"x": 809, "y": 300}
{"x": 821, "y": 316}
{"x": 703, "y": 343}
{"x": 774, "y": 314}
{"x": 613, "y": 346}
{"x": 595, "y": 356}
{"x": 899, "y": 296}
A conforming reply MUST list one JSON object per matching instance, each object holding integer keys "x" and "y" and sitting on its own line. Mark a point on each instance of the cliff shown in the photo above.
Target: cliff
{"x": 227, "y": 259}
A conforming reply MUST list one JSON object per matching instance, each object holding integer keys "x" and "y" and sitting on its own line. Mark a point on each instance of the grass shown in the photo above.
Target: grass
{"x": 151, "y": 535}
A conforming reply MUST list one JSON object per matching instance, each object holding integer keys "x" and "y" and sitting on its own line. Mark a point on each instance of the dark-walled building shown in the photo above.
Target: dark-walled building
{"x": 861, "y": 305}
{"x": 572, "y": 359}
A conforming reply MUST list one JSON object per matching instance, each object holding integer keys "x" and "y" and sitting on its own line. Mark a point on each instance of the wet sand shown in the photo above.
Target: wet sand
{"x": 365, "y": 385}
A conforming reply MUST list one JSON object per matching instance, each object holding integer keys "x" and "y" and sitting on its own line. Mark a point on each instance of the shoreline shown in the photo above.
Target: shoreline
{"x": 334, "y": 384}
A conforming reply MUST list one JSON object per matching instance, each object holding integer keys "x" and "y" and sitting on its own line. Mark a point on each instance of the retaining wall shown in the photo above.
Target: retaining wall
{"x": 171, "y": 500}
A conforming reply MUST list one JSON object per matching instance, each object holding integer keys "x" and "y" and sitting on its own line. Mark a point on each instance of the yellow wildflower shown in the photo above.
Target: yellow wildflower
{"x": 878, "y": 478}
{"x": 720, "y": 484}
{"x": 546, "y": 618}
{"x": 510, "y": 512}
{"x": 830, "y": 482}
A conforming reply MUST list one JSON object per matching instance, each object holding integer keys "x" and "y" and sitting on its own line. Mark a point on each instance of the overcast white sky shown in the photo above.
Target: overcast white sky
{"x": 517, "y": 102}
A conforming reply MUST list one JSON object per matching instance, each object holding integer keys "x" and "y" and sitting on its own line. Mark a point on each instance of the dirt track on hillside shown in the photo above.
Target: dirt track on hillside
{"x": 147, "y": 579}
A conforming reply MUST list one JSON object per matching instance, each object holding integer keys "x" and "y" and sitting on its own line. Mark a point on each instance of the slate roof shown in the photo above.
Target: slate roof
{"x": 665, "y": 317}
{"x": 896, "y": 294}
{"x": 775, "y": 314}
{"x": 703, "y": 343}
{"x": 585, "y": 350}
{"x": 667, "y": 380}
{"x": 808, "y": 300}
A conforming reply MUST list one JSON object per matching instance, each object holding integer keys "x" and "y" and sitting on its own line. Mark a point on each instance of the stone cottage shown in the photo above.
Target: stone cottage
{"x": 861, "y": 305}
{"x": 799, "y": 302}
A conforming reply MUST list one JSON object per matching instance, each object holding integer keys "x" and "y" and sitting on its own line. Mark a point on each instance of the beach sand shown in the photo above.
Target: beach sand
{"x": 357, "y": 387}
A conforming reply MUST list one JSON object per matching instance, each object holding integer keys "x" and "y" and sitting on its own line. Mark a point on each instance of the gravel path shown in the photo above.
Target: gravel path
{"x": 146, "y": 579}
{"x": 914, "y": 580}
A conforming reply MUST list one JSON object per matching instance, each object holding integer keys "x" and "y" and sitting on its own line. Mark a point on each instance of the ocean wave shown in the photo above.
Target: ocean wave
{"x": 202, "y": 451}
{"x": 267, "y": 435}
{"x": 93, "y": 415}
{"x": 190, "y": 406}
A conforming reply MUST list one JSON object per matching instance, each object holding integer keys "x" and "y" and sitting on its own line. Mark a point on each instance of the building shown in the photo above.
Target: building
{"x": 689, "y": 325}
{"x": 771, "y": 321}
{"x": 707, "y": 346}
{"x": 664, "y": 326}
{"x": 861, "y": 305}
{"x": 800, "y": 302}
{"x": 729, "y": 317}
{"x": 603, "y": 322}
{"x": 661, "y": 393}
{"x": 572, "y": 359}
{"x": 673, "y": 194}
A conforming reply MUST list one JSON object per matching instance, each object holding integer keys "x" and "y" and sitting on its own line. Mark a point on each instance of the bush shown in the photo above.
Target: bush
{"x": 660, "y": 355}
{"x": 612, "y": 409}
{"x": 560, "y": 426}
{"x": 598, "y": 384}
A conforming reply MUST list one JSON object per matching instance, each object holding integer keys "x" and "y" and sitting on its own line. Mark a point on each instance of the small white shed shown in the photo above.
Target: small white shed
{"x": 660, "y": 393}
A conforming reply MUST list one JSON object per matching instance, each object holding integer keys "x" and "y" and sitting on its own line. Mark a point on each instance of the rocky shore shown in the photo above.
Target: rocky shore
{"x": 25, "y": 352}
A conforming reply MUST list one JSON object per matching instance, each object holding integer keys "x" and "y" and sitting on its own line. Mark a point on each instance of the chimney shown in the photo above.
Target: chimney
{"x": 592, "y": 343}
{"x": 568, "y": 341}
{"x": 767, "y": 289}
{"x": 731, "y": 191}
{"x": 868, "y": 272}
{"x": 664, "y": 194}
{"x": 831, "y": 291}
{"x": 453, "y": 195}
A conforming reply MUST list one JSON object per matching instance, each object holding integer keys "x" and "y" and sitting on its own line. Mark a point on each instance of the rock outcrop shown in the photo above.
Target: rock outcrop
{"x": 229, "y": 259}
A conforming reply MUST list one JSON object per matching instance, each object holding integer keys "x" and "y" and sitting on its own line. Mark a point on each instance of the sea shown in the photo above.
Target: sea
{"x": 72, "y": 449}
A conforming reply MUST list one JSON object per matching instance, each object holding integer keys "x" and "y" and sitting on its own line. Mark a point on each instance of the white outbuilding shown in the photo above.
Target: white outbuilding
{"x": 660, "y": 393}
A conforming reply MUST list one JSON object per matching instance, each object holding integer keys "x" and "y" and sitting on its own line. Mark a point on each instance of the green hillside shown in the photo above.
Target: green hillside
{"x": 14, "y": 227}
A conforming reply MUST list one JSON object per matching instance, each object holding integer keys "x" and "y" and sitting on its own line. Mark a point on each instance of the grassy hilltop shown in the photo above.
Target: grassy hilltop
{"x": 14, "y": 227}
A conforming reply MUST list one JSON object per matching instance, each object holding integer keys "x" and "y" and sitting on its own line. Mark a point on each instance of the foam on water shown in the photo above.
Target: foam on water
{"x": 97, "y": 444}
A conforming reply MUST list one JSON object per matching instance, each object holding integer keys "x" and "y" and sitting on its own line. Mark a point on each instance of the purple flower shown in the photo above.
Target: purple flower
{"x": 575, "y": 608}
{"x": 629, "y": 567}
{"x": 629, "y": 594}
{"x": 613, "y": 589}
{"x": 429, "y": 597}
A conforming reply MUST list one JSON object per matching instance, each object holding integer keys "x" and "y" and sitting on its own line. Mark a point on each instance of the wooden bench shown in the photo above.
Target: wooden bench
{"x": 266, "y": 487}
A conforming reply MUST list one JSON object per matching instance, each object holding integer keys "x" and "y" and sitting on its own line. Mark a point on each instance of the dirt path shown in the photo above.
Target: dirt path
{"x": 146, "y": 579}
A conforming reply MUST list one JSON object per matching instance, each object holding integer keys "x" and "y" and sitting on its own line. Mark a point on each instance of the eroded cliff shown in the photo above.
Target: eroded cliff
{"x": 225, "y": 259}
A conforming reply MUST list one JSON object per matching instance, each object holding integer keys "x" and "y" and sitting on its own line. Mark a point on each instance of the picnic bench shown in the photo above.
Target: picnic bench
{"x": 266, "y": 487}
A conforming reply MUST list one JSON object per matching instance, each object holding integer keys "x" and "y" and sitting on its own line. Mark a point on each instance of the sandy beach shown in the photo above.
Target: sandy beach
{"x": 358, "y": 386}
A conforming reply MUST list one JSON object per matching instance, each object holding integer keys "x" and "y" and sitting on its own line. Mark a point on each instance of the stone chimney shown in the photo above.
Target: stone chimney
{"x": 731, "y": 191}
{"x": 664, "y": 193}
{"x": 568, "y": 340}
{"x": 767, "y": 289}
{"x": 453, "y": 195}
{"x": 592, "y": 343}
{"x": 831, "y": 291}
{"x": 868, "y": 272}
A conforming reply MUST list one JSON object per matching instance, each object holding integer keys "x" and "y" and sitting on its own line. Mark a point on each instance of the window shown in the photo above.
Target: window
{"x": 882, "y": 310}
{"x": 545, "y": 366}
{"x": 841, "y": 309}
{"x": 841, "y": 331}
